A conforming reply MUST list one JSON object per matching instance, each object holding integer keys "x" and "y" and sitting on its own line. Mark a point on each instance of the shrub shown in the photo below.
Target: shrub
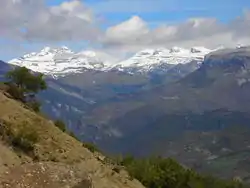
{"x": 86, "y": 183}
{"x": 24, "y": 139}
{"x": 28, "y": 82}
{"x": 117, "y": 169}
{"x": 74, "y": 136}
{"x": 91, "y": 147}
{"x": 5, "y": 131}
{"x": 34, "y": 105}
{"x": 159, "y": 172}
{"x": 24, "y": 85}
{"x": 60, "y": 124}
{"x": 15, "y": 92}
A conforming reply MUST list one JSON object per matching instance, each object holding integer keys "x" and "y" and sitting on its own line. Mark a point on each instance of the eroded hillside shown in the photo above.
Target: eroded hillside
{"x": 53, "y": 159}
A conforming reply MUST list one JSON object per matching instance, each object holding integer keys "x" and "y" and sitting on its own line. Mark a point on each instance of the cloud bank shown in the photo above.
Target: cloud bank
{"x": 33, "y": 20}
{"x": 135, "y": 33}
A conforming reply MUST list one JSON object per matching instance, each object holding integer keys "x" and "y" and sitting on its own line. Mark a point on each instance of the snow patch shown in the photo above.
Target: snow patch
{"x": 62, "y": 61}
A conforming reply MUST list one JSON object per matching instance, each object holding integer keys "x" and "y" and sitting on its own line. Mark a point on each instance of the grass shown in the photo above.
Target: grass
{"x": 84, "y": 184}
{"x": 91, "y": 147}
{"x": 25, "y": 140}
{"x": 22, "y": 139}
{"x": 18, "y": 125}
{"x": 60, "y": 124}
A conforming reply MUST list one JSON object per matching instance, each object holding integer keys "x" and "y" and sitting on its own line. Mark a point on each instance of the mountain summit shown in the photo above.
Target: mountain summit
{"x": 63, "y": 61}
{"x": 60, "y": 61}
{"x": 149, "y": 59}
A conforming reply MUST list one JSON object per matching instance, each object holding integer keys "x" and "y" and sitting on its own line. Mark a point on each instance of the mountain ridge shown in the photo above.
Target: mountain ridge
{"x": 62, "y": 61}
{"x": 204, "y": 100}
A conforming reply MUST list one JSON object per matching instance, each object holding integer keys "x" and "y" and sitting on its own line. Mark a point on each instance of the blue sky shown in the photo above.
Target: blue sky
{"x": 155, "y": 11}
{"x": 108, "y": 17}
{"x": 172, "y": 10}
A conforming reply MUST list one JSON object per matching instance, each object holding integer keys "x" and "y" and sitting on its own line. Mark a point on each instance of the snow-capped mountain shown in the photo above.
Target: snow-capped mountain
{"x": 148, "y": 60}
{"x": 62, "y": 61}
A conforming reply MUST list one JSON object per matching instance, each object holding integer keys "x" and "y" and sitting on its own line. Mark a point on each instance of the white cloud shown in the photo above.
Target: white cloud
{"x": 74, "y": 9}
{"x": 127, "y": 32}
{"x": 33, "y": 20}
{"x": 135, "y": 34}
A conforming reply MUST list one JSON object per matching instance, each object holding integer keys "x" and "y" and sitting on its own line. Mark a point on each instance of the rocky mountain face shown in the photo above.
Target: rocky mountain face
{"x": 197, "y": 118}
{"x": 171, "y": 102}
{"x": 223, "y": 85}
{"x": 4, "y": 67}
{"x": 79, "y": 82}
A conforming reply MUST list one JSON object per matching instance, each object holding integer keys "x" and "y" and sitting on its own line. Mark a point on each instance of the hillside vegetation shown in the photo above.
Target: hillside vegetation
{"x": 36, "y": 152}
{"x": 157, "y": 172}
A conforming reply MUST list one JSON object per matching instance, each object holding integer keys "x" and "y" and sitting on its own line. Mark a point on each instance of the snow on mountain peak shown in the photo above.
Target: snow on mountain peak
{"x": 149, "y": 59}
{"x": 46, "y": 49}
{"x": 65, "y": 47}
{"x": 199, "y": 49}
{"x": 61, "y": 61}
{"x": 176, "y": 49}
{"x": 88, "y": 53}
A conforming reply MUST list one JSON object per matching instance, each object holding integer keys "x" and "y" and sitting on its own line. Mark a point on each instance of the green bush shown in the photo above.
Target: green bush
{"x": 60, "y": 124}
{"x": 86, "y": 183}
{"x": 24, "y": 139}
{"x": 34, "y": 105}
{"x": 74, "y": 136}
{"x": 23, "y": 85}
{"x": 27, "y": 81}
{"x": 15, "y": 92}
{"x": 117, "y": 169}
{"x": 91, "y": 147}
{"x": 158, "y": 172}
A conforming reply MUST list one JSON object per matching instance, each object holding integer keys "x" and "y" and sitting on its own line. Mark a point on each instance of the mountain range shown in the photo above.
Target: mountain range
{"x": 63, "y": 61}
{"x": 80, "y": 82}
{"x": 190, "y": 104}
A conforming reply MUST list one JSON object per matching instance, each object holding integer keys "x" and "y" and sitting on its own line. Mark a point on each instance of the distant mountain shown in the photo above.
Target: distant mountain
{"x": 164, "y": 59}
{"x": 63, "y": 61}
{"x": 79, "y": 82}
{"x": 4, "y": 67}
{"x": 174, "y": 119}
{"x": 60, "y": 61}
{"x": 172, "y": 102}
{"x": 96, "y": 98}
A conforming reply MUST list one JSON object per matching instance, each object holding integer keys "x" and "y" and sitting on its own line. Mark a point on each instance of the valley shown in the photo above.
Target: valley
{"x": 191, "y": 105}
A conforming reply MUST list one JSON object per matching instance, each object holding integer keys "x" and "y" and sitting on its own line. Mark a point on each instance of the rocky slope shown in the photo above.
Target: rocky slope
{"x": 192, "y": 119}
{"x": 132, "y": 113}
{"x": 58, "y": 160}
{"x": 222, "y": 82}
{"x": 88, "y": 79}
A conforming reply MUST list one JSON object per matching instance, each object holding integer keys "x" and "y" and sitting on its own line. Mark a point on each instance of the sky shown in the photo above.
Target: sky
{"x": 121, "y": 27}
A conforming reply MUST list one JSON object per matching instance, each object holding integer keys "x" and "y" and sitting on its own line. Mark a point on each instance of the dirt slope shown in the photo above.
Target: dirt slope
{"x": 58, "y": 160}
